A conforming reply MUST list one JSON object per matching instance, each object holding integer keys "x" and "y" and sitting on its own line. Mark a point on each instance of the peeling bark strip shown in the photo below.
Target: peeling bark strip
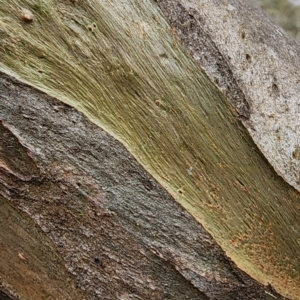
{"x": 191, "y": 28}
{"x": 255, "y": 63}
{"x": 122, "y": 65}
{"x": 117, "y": 231}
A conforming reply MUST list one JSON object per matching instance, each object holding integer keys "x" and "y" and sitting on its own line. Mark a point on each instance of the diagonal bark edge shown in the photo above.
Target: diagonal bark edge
{"x": 116, "y": 230}
{"x": 132, "y": 77}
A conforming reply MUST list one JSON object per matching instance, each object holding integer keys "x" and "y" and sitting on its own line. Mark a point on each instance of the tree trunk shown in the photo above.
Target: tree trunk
{"x": 116, "y": 146}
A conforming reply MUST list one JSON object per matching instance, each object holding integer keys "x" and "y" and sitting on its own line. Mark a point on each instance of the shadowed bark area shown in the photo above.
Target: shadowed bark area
{"x": 104, "y": 220}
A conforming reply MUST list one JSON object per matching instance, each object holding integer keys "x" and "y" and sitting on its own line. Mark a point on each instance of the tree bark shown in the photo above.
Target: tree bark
{"x": 85, "y": 217}
{"x": 82, "y": 219}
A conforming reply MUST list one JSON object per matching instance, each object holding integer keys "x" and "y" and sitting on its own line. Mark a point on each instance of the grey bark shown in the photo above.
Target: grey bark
{"x": 102, "y": 227}
{"x": 117, "y": 232}
{"x": 255, "y": 63}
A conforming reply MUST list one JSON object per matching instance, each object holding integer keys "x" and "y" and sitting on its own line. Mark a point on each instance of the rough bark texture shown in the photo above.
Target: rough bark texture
{"x": 80, "y": 218}
{"x": 122, "y": 65}
{"x": 255, "y": 63}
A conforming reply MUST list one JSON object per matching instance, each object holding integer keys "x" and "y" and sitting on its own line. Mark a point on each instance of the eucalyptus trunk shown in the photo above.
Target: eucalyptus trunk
{"x": 148, "y": 150}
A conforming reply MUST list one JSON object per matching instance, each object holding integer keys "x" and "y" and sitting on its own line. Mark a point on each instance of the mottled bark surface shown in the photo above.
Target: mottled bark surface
{"x": 255, "y": 63}
{"x": 123, "y": 66}
{"x": 80, "y": 218}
